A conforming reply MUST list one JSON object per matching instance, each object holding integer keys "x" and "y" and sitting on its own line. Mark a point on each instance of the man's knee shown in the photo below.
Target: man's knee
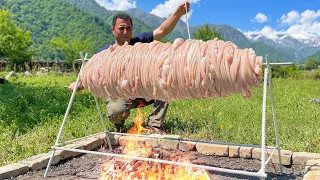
{"x": 118, "y": 111}
{"x": 118, "y": 117}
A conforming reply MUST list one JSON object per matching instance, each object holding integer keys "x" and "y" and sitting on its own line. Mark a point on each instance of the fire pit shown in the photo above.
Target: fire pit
{"x": 91, "y": 166}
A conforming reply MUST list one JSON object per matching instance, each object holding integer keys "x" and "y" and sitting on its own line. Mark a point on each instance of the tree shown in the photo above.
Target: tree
{"x": 14, "y": 42}
{"x": 205, "y": 33}
{"x": 311, "y": 64}
{"x": 71, "y": 47}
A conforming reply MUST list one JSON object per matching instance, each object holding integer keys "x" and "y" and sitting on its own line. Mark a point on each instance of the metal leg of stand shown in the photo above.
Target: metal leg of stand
{"x": 275, "y": 120}
{"x": 263, "y": 126}
{"x": 103, "y": 124}
{"x": 64, "y": 118}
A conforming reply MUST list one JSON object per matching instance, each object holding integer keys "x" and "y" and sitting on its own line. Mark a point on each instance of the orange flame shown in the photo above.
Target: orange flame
{"x": 138, "y": 121}
{"x": 132, "y": 169}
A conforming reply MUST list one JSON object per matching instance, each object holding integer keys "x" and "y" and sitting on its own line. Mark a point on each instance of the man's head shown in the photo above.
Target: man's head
{"x": 122, "y": 28}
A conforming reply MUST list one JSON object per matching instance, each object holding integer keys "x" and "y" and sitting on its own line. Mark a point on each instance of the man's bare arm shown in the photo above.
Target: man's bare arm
{"x": 168, "y": 25}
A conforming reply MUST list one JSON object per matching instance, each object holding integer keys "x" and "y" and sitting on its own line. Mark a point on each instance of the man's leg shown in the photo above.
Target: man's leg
{"x": 118, "y": 111}
{"x": 156, "y": 118}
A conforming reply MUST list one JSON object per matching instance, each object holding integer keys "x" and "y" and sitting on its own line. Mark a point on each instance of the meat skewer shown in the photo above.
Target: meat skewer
{"x": 164, "y": 71}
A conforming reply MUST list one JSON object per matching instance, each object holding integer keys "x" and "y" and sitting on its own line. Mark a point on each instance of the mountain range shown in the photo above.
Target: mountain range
{"x": 281, "y": 47}
{"x": 87, "y": 19}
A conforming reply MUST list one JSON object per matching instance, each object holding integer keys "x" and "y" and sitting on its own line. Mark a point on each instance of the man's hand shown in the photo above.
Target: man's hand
{"x": 181, "y": 10}
{"x": 168, "y": 25}
{"x": 73, "y": 85}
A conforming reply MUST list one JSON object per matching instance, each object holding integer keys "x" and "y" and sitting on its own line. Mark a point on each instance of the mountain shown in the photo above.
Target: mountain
{"x": 230, "y": 34}
{"x": 154, "y": 22}
{"x": 315, "y": 56}
{"x": 92, "y": 7}
{"x": 300, "y": 45}
{"x": 48, "y": 19}
{"x": 87, "y": 19}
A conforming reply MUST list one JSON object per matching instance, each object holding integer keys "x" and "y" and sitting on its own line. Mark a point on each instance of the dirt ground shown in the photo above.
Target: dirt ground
{"x": 88, "y": 166}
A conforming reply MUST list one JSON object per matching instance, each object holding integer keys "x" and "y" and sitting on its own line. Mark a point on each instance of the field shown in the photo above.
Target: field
{"x": 32, "y": 109}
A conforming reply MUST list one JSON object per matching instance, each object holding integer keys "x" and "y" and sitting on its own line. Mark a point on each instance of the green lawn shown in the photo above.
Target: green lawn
{"x": 32, "y": 109}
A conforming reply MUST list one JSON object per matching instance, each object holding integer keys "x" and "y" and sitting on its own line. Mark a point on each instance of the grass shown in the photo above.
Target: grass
{"x": 32, "y": 110}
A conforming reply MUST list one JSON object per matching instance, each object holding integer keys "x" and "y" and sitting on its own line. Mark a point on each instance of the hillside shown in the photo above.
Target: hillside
{"x": 315, "y": 56}
{"x": 91, "y": 7}
{"x": 47, "y": 19}
{"x": 87, "y": 19}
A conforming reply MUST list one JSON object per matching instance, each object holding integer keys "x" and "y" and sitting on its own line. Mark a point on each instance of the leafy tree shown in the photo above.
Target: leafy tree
{"x": 205, "y": 33}
{"x": 48, "y": 19}
{"x": 14, "y": 42}
{"x": 71, "y": 47}
{"x": 311, "y": 64}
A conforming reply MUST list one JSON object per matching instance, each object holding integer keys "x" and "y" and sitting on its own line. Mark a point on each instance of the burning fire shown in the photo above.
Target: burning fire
{"x": 121, "y": 169}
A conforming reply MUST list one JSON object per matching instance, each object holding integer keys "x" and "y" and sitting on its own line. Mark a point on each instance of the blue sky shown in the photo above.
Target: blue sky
{"x": 250, "y": 16}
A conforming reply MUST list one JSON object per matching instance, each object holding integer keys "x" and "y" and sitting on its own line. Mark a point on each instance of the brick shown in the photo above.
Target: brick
{"x": 153, "y": 142}
{"x": 246, "y": 152}
{"x": 212, "y": 149}
{"x": 286, "y": 156}
{"x": 187, "y": 146}
{"x": 312, "y": 164}
{"x": 234, "y": 151}
{"x": 303, "y": 157}
{"x": 64, "y": 154}
{"x": 40, "y": 161}
{"x": 90, "y": 143}
{"x": 135, "y": 140}
{"x": 168, "y": 144}
{"x": 13, "y": 170}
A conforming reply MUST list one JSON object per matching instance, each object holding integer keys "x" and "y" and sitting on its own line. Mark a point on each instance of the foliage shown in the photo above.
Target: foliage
{"x": 205, "y": 33}
{"x": 32, "y": 109}
{"x": 71, "y": 47}
{"x": 14, "y": 41}
{"x": 311, "y": 64}
{"x": 93, "y": 8}
{"x": 49, "y": 19}
{"x": 315, "y": 58}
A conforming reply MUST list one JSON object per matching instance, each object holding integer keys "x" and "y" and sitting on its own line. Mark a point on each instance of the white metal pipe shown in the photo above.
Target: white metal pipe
{"x": 263, "y": 124}
{"x": 103, "y": 123}
{"x": 280, "y": 64}
{"x": 275, "y": 122}
{"x": 270, "y": 156}
{"x": 65, "y": 116}
{"x": 255, "y": 174}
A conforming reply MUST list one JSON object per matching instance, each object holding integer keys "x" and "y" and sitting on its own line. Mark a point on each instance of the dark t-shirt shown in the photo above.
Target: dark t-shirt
{"x": 145, "y": 37}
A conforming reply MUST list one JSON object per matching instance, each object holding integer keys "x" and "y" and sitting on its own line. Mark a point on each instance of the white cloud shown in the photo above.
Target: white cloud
{"x": 308, "y": 17}
{"x": 290, "y": 18}
{"x": 305, "y": 23}
{"x": 261, "y": 18}
{"x": 120, "y": 5}
{"x": 167, "y": 8}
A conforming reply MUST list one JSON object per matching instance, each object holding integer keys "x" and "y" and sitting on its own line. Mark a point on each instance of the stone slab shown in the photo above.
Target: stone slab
{"x": 40, "y": 161}
{"x": 286, "y": 156}
{"x": 246, "y": 152}
{"x": 212, "y": 149}
{"x": 302, "y": 157}
{"x": 13, "y": 170}
{"x": 187, "y": 146}
{"x": 234, "y": 151}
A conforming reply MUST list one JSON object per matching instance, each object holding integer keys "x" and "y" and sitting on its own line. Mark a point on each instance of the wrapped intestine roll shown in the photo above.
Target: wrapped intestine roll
{"x": 164, "y": 71}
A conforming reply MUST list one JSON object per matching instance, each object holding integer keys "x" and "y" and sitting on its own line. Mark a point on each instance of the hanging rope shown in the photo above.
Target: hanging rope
{"x": 185, "y": 4}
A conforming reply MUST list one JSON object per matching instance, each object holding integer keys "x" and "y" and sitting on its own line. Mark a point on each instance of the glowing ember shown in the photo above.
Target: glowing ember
{"x": 121, "y": 169}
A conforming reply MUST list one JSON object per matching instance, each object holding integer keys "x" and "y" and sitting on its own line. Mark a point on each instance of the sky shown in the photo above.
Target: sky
{"x": 249, "y": 16}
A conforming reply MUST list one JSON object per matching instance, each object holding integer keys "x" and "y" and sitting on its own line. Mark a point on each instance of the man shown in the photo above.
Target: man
{"x": 119, "y": 110}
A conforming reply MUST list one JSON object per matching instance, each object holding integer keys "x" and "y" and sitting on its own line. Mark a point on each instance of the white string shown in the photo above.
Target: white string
{"x": 185, "y": 4}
